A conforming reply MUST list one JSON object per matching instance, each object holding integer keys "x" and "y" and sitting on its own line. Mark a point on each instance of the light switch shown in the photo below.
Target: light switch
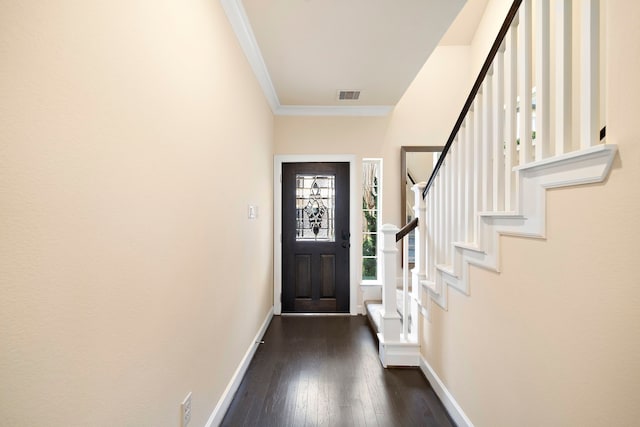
{"x": 253, "y": 212}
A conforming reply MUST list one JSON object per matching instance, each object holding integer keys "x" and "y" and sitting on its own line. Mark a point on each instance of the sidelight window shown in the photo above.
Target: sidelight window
{"x": 371, "y": 217}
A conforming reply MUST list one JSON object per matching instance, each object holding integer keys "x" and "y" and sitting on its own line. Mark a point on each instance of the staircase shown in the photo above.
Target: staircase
{"x": 514, "y": 139}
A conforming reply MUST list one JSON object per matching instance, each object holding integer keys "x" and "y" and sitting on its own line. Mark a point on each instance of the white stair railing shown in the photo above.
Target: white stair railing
{"x": 419, "y": 272}
{"x": 398, "y": 339}
{"x": 405, "y": 290}
{"x": 504, "y": 143}
{"x": 390, "y": 325}
{"x": 498, "y": 162}
{"x": 509, "y": 114}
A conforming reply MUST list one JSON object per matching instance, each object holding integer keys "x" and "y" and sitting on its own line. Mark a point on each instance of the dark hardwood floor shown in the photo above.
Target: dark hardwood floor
{"x": 325, "y": 371}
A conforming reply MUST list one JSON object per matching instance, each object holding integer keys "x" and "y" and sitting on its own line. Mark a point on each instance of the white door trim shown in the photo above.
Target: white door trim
{"x": 354, "y": 258}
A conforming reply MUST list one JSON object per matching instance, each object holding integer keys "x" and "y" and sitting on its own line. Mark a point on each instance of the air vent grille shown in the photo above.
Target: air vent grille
{"x": 349, "y": 95}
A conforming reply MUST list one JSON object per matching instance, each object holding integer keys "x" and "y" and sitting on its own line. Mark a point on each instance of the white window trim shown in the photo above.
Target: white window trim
{"x": 378, "y": 281}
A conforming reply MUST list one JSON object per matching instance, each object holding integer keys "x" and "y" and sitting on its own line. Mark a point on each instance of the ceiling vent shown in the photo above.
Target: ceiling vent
{"x": 348, "y": 95}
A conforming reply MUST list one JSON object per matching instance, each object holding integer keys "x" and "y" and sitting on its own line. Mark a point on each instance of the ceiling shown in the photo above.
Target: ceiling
{"x": 305, "y": 51}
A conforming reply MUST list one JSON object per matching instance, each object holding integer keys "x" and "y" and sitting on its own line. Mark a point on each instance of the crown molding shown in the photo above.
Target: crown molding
{"x": 333, "y": 110}
{"x": 239, "y": 21}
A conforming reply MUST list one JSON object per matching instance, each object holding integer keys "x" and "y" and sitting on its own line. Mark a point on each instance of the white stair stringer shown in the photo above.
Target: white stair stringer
{"x": 587, "y": 166}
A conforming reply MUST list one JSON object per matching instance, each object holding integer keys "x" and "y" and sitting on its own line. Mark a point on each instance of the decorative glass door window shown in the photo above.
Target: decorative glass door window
{"x": 315, "y": 208}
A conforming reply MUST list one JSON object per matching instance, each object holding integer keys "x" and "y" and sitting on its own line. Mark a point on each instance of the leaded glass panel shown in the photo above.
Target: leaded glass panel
{"x": 315, "y": 207}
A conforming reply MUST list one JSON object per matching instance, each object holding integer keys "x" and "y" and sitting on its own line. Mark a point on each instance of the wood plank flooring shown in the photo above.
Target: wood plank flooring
{"x": 324, "y": 371}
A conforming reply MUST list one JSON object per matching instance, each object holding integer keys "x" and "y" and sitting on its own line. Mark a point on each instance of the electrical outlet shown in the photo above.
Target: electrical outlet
{"x": 186, "y": 410}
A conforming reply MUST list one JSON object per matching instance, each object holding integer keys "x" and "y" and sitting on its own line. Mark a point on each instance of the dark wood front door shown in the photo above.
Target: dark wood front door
{"x": 315, "y": 237}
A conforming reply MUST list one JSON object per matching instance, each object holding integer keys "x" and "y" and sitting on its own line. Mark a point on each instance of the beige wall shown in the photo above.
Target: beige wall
{"x": 360, "y": 136}
{"x": 485, "y": 35}
{"x": 132, "y": 137}
{"x": 553, "y": 340}
{"x": 424, "y": 116}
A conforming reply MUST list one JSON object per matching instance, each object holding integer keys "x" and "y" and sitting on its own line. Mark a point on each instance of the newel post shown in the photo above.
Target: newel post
{"x": 390, "y": 325}
{"x": 419, "y": 271}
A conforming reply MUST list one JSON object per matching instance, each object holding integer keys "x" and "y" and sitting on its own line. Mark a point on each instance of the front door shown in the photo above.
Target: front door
{"x": 315, "y": 237}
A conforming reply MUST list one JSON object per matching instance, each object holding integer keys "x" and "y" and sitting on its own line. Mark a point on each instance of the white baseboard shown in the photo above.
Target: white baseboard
{"x": 455, "y": 411}
{"x": 227, "y": 396}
